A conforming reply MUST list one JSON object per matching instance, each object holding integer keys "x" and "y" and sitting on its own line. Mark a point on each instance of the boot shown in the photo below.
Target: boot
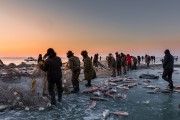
{"x": 118, "y": 73}
{"x": 171, "y": 87}
{"x": 88, "y": 84}
{"x": 77, "y": 86}
{"x": 113, "y": 75}
{"x": 59, "y": 97}
{"x": 75, "y": 91}
{"x": 53, "y": 100}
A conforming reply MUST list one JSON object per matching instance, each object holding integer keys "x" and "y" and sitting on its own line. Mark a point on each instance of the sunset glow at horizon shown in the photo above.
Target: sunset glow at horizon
{"x": 28, "y": 28}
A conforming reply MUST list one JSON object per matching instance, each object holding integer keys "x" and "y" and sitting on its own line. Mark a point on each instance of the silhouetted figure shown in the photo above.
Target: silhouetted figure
{"x": 134, "y": 67}
{"x": 142, "y": 58}
{"x": 43, "y": 74}
{"x": 154, "y": 58}
{"x": 91, "y": 58}
{"x": 1, "y": 63}
{"x": 168, "y": 66}
{"x": 40, "y": 58}
{"x": 147, "y": 60}
{"x": 108, "y": 61}
{"x": 112, "y": 64}
{"x": 139, "y": 59}
{"x": 52, "y": 66}
{"x": 162, "y": 60}
{"x": 88, "y": 68}
{"x": 176, "y": 58}
{"x": 100, "y": 58}
{"x": 118, "y": 63}
{"x": 129, "y": 62}
{"x": 123, "y": 63}
{"x": 95, "y": 60}
{"x": 74, "y": 65}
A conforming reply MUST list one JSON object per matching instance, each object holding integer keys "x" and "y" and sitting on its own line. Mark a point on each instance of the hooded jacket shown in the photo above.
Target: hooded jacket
{"x": 53, "y": 66}
{"x": 168, "y": 61}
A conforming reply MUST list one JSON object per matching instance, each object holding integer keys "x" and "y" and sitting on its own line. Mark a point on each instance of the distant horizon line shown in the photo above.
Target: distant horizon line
{"x": 64, "y": 56}
{"x": 59, "y": 56}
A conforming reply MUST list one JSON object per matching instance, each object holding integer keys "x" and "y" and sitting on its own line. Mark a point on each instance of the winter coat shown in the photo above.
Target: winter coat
{"x": 112, "y": 62}
{"x": 135, "y": 60}
{"x": 147, "y": 59}
{"x": 118, "y": 59}
{"x": 52, "y": 66}
{"x": 168, "y": 62}
{"x": 123, "y": 61}
{"x": 128, "y": 59}
{"x": 74, "y": 63}
{"x": 88, "y": 68}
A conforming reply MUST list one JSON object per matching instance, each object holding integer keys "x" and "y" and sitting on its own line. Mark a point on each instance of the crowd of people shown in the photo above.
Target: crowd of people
{"x": 122, "y": 63}
{"x": 51, "y": 64}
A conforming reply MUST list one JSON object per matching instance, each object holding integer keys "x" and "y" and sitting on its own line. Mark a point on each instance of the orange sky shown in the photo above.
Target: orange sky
{"x": 30, "y": 29}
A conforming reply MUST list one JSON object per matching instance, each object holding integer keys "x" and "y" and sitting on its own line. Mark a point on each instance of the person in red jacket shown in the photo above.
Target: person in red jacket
{"x": 129, "y": 61}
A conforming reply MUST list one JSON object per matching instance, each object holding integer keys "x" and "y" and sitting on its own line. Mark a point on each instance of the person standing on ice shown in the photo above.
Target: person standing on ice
{"x": 74, "y": 65}
{"x": 129, "y": 62}
{"x": 40, "y": 58}
{"x": 123, "y": 63}
{"x": 118, "y": 63}
{"x": 95, "y": 60}
{"x": 139, "y": 59}
{"x": 168, "y": 66}
{"x": 142, "y": 58}
{"x": 134, "y": 67}
{"x": 88, "y": 68}
{"x": 112, "y": 64}
{"x": 147, "y": 60}
{"x": 43, "y": 75}
{"x": 52, "y": 66}
{"x": 1, "y": 63}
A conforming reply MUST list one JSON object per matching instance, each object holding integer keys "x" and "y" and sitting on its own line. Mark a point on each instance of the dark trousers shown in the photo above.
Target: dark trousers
{"x": 51, "y": 84}
{"x": 124, "y": 69}
{"x": 75, "y": 81}
{"x": 134, "y": 66}
{"x": 139, "y": 62}
{"x": 148, "y": 63}
{"x": 118, "y": 68}
{"x": 167, "y": 76}
{"x": 129, "y": 66}
{"x": 113, "y": 72}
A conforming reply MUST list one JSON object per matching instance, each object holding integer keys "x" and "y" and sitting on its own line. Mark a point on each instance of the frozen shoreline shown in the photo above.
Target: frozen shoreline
{"x": 130, "y": 90}
{"x": 18, "y": 79}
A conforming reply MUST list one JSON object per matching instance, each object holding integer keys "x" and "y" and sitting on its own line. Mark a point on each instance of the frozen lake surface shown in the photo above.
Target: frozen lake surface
{"x": 139, "y": 104}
